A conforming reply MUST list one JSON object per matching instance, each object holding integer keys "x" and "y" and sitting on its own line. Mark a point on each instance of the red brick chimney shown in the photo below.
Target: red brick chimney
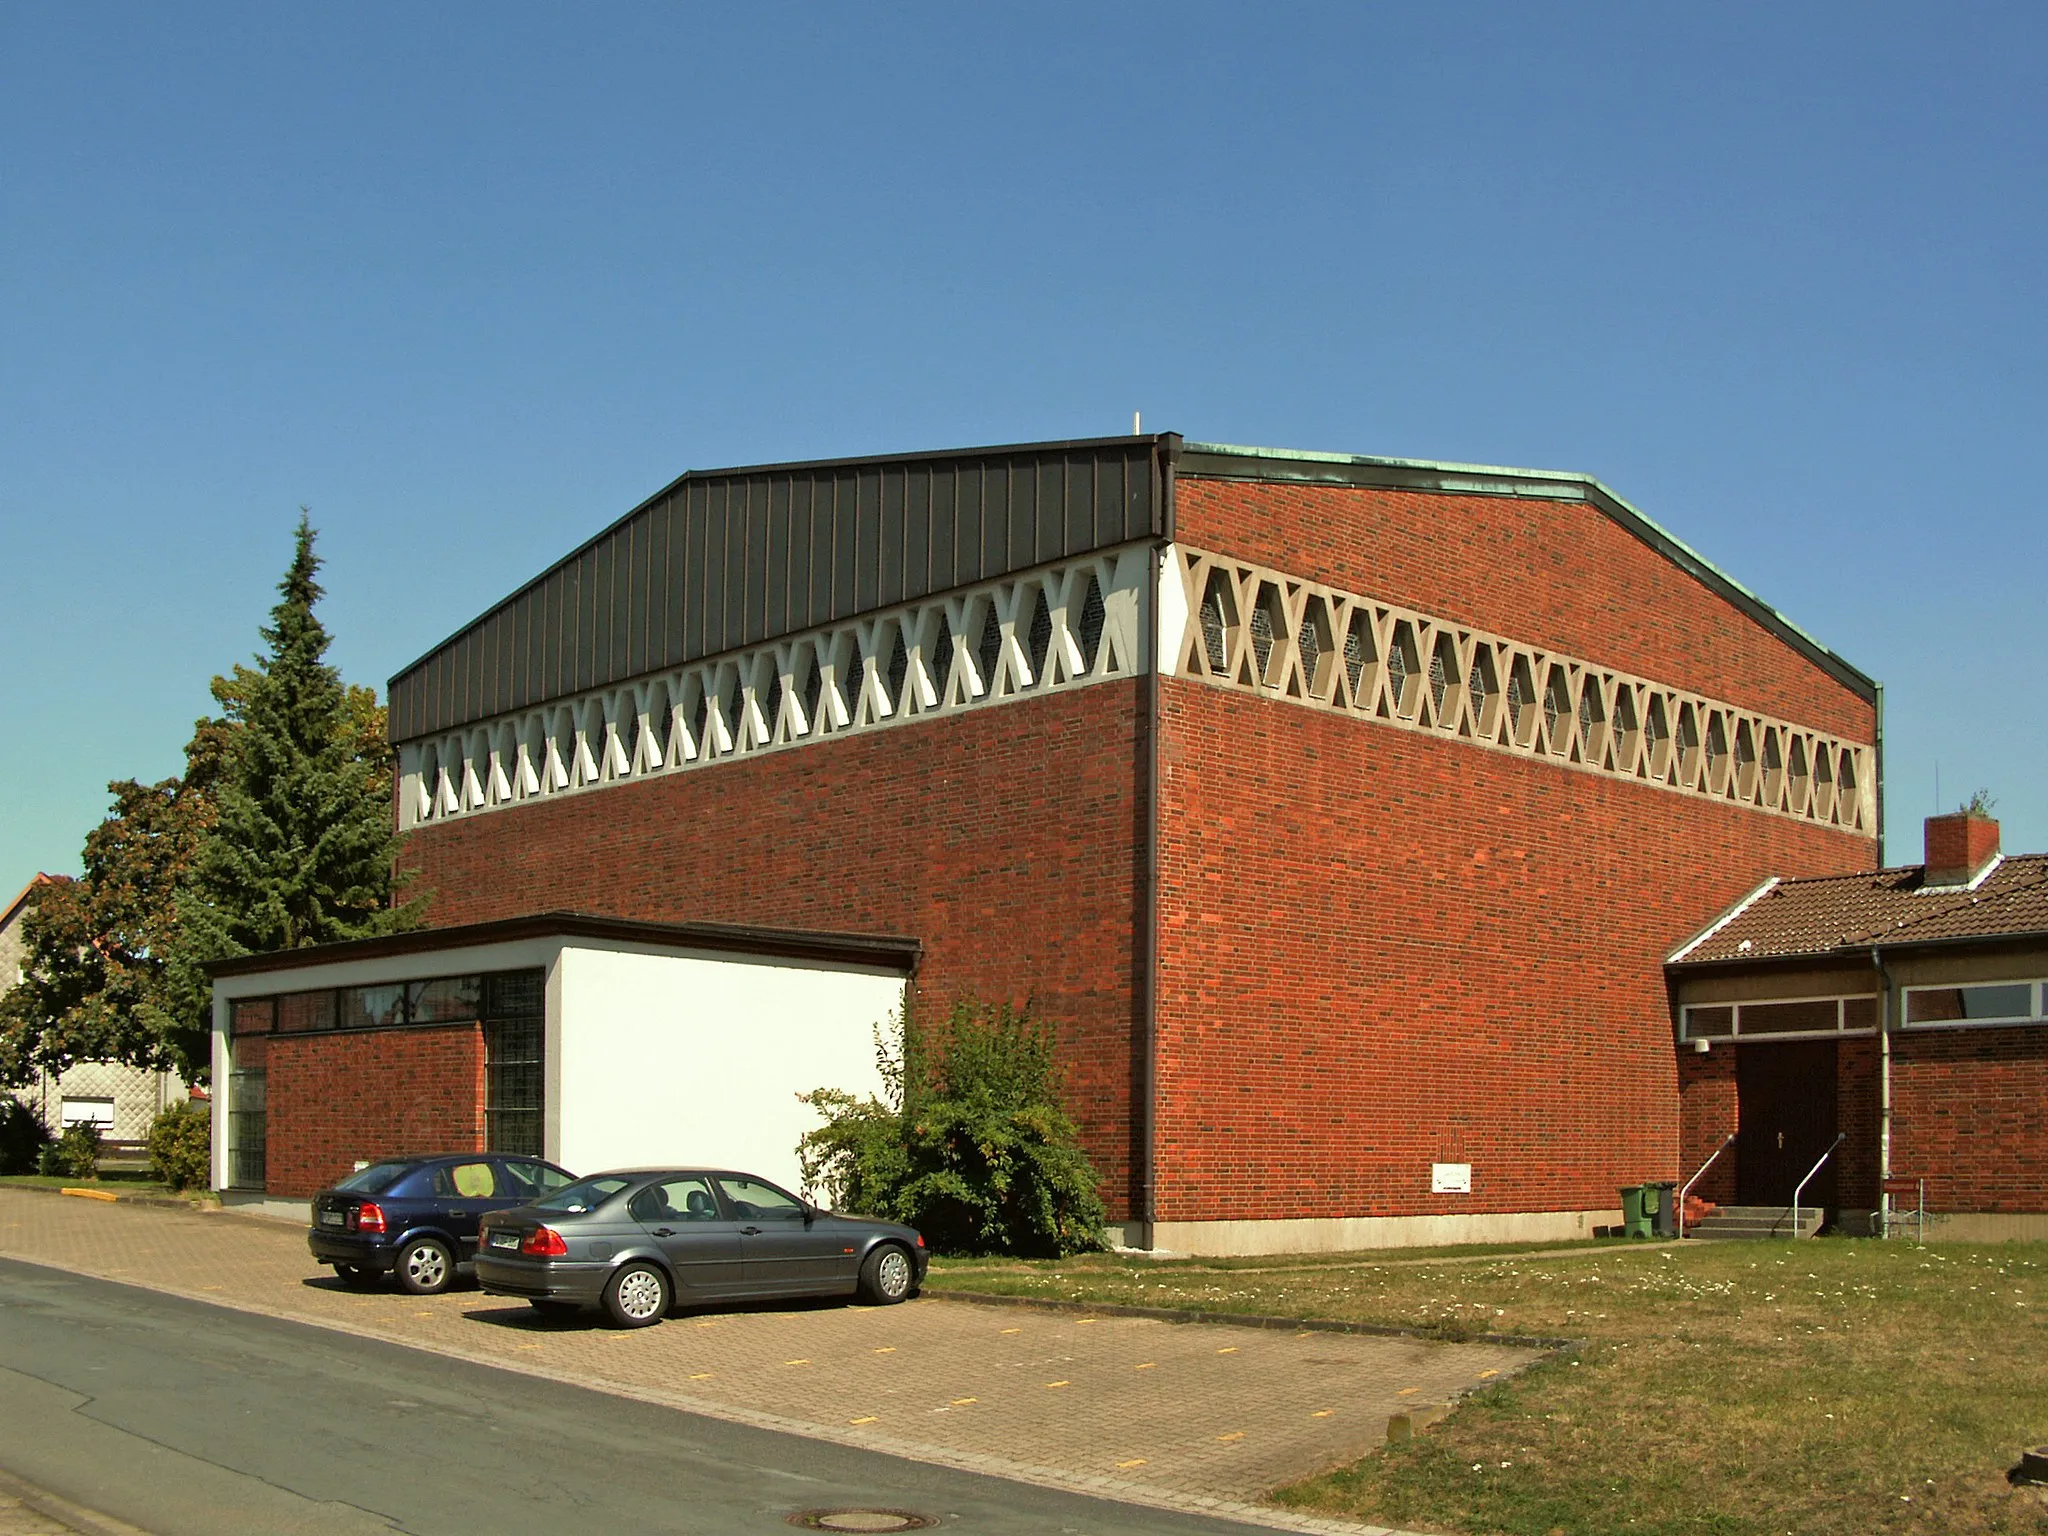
{"x": 1959, "y": 846}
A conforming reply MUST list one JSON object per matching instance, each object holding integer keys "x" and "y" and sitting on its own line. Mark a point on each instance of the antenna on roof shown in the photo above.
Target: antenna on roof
{"x": 1137, "y": 424}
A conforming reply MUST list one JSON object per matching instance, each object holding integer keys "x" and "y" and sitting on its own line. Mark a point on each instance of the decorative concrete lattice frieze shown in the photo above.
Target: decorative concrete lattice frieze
{"x": 1282, "y": 637}
{"x": 1059, "y": 627}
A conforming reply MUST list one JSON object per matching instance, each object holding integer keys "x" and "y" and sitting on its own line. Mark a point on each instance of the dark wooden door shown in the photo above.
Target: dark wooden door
{"x": 1785, "y": 1097}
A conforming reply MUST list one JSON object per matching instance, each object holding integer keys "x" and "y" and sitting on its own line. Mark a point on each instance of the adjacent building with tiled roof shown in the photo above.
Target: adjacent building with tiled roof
{"x": 1899, "y": 1016}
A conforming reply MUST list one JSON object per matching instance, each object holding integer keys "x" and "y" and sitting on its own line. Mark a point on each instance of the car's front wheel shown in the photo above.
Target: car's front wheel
{"x": 636, "y": 1296}
{"x": 425, "y": 1267}
{"x": 887, "y": 1276}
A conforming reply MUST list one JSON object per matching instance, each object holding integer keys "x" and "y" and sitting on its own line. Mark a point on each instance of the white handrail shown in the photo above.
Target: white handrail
{"x": 1840, "y": 1137}
{"x": 1696, "y": 1178}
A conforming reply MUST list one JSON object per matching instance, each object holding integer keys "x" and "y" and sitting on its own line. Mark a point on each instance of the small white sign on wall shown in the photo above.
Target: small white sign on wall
{"x": 1450, "y": 1178}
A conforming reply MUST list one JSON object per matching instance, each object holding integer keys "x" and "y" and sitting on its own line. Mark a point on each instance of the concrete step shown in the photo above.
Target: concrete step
{"x": 1754, "y": 1222}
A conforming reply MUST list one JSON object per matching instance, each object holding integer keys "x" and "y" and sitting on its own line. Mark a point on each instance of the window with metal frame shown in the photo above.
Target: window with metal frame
{"x": 1977, "y": 1003}
{"x": 1801, "y": 1018}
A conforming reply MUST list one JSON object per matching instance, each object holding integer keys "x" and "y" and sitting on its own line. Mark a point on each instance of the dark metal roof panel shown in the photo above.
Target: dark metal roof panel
{"x": 732, "y": 557}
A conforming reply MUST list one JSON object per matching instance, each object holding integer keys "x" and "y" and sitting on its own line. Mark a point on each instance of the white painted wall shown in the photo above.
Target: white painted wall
{"x": 678, "y": 1059}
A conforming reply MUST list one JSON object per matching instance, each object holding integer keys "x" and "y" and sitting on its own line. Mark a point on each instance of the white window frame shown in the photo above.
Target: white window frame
{"x": 1734, "y": 1033}
{"x": 2037, "y": 991}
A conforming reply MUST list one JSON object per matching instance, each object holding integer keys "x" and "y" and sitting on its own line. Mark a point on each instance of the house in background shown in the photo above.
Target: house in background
{"x": 120, "y": 1100}
{"x": 1904, "y": 1011}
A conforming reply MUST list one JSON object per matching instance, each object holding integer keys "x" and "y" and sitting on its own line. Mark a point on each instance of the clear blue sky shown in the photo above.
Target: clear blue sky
{"x": 470, "y": 281}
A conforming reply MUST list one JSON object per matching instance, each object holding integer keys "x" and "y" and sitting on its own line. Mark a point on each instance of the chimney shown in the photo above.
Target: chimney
{"x": 1959, "y": 848}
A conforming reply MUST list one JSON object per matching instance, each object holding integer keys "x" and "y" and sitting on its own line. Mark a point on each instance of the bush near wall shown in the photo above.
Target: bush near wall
{"x": 22, "y": 1136}
{"x": 972, "y": 1144}
{"x": 181, "y": 1147}
{"x": 77, "y": 1153}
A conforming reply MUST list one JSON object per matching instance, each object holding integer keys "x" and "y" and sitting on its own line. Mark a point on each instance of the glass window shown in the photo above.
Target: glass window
{"x": 1709, "y": 1023}
{"x": 305, "y": 1010}
{"x": 514, "y": 995}
{"x": 373, "y": 1180}
{"x": 583, "y": 1195}
{"x": 1790, "y": 1018}
{"x": 1859, "y": 1013}
{"x": 1955, "y": 1005}
{"x": 95, "y": 1112}
{"x": 364, "y": 1007}
{"x": 452, "y": 1000}
{"x": 753, "y": 1200}
{"x": 530, "y": 1180}
{"x": 251, "y": 1016}
{"x": 683, "y": 1199}
{"x": 466, "y": 1181}
{"x": 513, "y": 1086}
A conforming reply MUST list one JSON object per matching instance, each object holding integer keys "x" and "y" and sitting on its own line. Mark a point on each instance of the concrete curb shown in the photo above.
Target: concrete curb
{"x": 75, "y": 1517}
{"x": 159, "y": 1202}
{"x": 1254, "y": 1320}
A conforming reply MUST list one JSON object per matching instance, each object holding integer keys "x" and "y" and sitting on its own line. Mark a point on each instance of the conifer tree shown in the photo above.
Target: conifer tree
{"x": 302, "y": 846}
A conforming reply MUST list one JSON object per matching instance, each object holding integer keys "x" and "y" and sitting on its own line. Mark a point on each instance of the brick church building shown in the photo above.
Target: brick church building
{"x": 1342, "y": 810}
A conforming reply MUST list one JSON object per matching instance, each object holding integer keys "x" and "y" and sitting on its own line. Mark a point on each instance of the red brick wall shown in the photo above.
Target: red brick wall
{"x": 368, "y": 1094}
{"x": 1003, "y": 838}
{"x": 1970, "y": 1115}
{"x": 1708, "y": 1110}
{"x": 1552, "y": 573}
{"x": 1385, "y": 949}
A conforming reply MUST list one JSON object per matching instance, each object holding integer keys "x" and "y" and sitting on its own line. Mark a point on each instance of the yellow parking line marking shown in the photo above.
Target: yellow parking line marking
{"x": 1235, "y": 1434}
{"x": 529, "y": 1346}
{"x": 1051, "y": 1384}
{"x": 702, "y": 1376}
{"x": 1228, "y": 1349}
{"x": 708, "y": 1325}
{"x": 1135, "y": 1461}
{"x": 886, "y": 1349}
{"x": 423, "y": 1314}
{"x": 213, "y": 1287}
{"x": 1322, "y": 1413}
{"x": 1013, "y": 1330}
{"x": 1484, "y": 1374}
{"x": 962, "y": 1402}
{"x": 1084, "y": 1322}
{"x": 1405, "y": 1391}
{"x": 796, "y": 1362}
{"x": 870, "y": 1419}
{"x": 1146, "y": 1365}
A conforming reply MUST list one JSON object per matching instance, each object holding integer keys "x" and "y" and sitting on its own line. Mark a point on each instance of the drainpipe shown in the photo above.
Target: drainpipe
{"x": 1146, "y": 1089}
{"x": 1884, "y": 1081}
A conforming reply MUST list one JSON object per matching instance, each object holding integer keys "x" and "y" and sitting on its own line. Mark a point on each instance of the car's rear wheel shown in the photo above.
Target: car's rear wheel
{"x": 637, "y": 1296}
{"x": 887, "y": 1276}
{"x": 355, "y": 1277}
{"x": 425, "y": 1267}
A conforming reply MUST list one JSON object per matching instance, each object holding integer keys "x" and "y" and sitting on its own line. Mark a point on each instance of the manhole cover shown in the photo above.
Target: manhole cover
{"x": 861, "y": 1520}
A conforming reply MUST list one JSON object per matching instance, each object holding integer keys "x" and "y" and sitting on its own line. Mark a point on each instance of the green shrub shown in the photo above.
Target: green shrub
{"x": 50, "y": 1160}
{"x": 181, "y": 1147}
{"x": 22, "y": 1136}
{"x": 78, "y": 1152}
{"x": 973, "y": 1146}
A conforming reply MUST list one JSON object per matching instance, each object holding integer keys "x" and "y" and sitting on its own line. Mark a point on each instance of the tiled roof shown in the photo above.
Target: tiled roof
{"x": 1885, "y": 908}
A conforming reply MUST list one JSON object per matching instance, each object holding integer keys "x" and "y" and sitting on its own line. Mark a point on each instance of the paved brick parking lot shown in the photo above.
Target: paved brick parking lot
{"x": 1186, "y": 1415}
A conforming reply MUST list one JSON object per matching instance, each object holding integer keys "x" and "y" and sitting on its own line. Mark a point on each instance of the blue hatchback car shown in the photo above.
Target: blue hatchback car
{"x": 416, "y": 1217}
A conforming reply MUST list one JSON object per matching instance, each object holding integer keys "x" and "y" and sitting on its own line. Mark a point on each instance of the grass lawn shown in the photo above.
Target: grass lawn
{"x": 1834, "y": 1387}
{"x": 113, "y": 1181}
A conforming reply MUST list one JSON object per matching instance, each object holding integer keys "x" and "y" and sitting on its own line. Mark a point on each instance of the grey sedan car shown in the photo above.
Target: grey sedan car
{"x": 638, "y": 1242}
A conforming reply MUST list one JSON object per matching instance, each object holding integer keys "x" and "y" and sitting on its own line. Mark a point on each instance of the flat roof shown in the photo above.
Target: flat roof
{"x": 880, "y": 951}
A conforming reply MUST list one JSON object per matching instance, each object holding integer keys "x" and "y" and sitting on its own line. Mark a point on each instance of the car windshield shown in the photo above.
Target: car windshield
{"x": 375, "y": 1179}
{"x": 583, "y": 1195}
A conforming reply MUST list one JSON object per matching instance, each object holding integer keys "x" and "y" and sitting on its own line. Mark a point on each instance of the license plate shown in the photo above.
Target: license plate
{"x": 504, "y": 1239}
{"x": 330, "y": 1218}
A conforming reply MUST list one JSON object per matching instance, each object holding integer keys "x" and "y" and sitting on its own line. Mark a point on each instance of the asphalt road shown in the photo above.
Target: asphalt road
{"x": 182, "y": 1418}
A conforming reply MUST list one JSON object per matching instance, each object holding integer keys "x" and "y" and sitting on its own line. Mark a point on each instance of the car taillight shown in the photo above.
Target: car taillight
{"x": 544, "y": 1243}
{"x": 369, "y": 1217}
{"x": 920, "y": 1239}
